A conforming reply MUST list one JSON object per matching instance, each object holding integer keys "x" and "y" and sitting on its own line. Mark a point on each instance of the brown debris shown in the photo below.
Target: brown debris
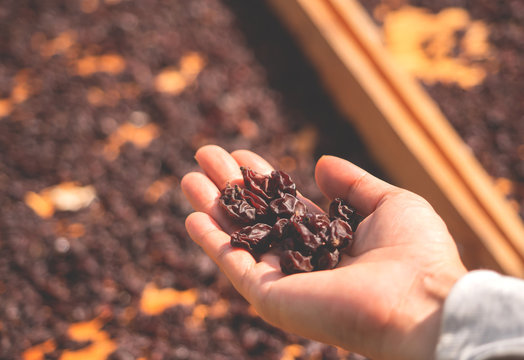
{"x": 139, "y": 136}
{"x": 38, "y": 352}
{"x": 67, "y": 196}
{"x": 202, "y": 311}
{"x": 6, "y": 106}
{"x": 100, "y": 347}
{"x": 292, "y": 351}
{"x": 108, "y": 63}
{"x": 158, "y": 188}
{"x": 41, "y": 205}
{"x": 59, "y": 45}
{"x": 173, "y": 81}
{"x": 154, "y": 300}
{"x": 428, "y": 52}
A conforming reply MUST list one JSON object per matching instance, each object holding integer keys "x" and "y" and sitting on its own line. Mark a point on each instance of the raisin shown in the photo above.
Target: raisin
{"x": 342, "y": 210}
{"x": 288, "y": 243}
{"x": 256, "y": 201}
{"x": 307, "y": 241}
{"x": 340, "y": 234}
{"x": 281, "y": 183}
{"x": 268, "y": 187}
{"x": 287, "y": 206}
{"x": 256, "y": 182}
{"x": 318, "y": 224}
{"x": 292, "y": 262}
{"x": 280, "y": 229}
{"x": 232, "y": 200}
{"x": 326, "y": 259}
{"x": 255, "y": 239}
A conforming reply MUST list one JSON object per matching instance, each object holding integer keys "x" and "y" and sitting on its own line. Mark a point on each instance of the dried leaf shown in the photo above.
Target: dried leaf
{"x": 292, "y": 351}
{"x": 140, "y": 136}
{"x": 38, "y": 352}
{"x": 6, "y": 106}
{"x": 109, "y": 63}
{"x": 157, "y": 189}
{"x": 70, "y": 196}
{"x": 173, "y": 81}
{"x": 170, "y": 81}
{"x": 429, "y": 53}
{"x": 101, "y": 345}
{"x": 154, "y": 300}
{"x": 63, "y": 42}
{"x": 41, "y": 205}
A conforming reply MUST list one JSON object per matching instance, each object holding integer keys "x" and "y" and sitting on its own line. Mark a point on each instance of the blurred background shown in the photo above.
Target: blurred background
{"x": 102, "y": 106}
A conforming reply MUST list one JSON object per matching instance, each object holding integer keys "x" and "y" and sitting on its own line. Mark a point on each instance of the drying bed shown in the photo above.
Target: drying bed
{"x": 102, "y": 106}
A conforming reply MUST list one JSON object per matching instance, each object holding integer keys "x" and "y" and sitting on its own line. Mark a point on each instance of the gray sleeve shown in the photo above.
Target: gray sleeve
{"x": 483, "y": 318}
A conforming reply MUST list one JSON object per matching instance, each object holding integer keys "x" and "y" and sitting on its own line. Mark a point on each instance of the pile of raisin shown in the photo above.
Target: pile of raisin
{"x": 275, "y": 219}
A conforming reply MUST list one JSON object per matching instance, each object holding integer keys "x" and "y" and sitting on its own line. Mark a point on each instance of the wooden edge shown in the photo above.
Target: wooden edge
{"x": 405, "y": 131}
{"x": 433, "y": 122}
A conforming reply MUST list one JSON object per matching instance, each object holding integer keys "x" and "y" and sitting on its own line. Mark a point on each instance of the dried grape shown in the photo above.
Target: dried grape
{"x": 326, "y": 259}
{"x": 236, "y": 206}
{"x": 340, "y": 234}
{"x": 287, "y": 206}
{"x": 342, "y": 210}
{"x": 294, "y": 262}
{"x": 255, "y": 239}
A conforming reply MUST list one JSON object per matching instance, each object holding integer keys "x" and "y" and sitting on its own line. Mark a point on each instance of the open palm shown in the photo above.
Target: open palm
{"x": 385, "y": 297}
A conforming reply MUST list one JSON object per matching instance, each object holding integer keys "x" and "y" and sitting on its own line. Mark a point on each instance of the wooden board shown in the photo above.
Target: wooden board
{"x": 405, "y": 130}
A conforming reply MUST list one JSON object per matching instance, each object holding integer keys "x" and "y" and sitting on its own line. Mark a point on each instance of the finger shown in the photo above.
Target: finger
{"x": 253, "y": 161}
{"x": 239, "y": 266}
{"x": 402, "y": 217}
{"x": 340, "y": 178}
{"x": 201, "y": 192}
{"x": 204, "y": 196}
{"x": 256, "y": 162}
{"x": 219, "y": 165}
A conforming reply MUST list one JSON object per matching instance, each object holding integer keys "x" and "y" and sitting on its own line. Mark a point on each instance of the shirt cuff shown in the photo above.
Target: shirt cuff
{"x": 483, "y": 318}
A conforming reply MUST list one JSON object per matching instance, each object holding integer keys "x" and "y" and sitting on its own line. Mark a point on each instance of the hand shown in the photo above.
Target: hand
{"x": 384, "y": 299}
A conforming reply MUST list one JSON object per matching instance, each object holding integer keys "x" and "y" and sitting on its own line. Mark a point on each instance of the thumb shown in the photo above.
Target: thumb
{"x": 337, "y": 177}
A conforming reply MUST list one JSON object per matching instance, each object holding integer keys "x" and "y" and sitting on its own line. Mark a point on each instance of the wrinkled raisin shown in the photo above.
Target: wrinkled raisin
{"x": 326, "y": 259}
{"x": 255, "y": 239}
{"x": 257, "y": 183}
{"x": 281, "y": 183}
{"x": 287, "y": 206}
{"x": 256, "y": 201}
{"x": 306, "y": 240}
{"x": 340, "y": 234}
{"x": 318, "y": 224}
{"x": 236, "y": 206}
{"x": 342, "y": 210}
{"x": 280, "y": 229}
{"x": 292, "y": 262}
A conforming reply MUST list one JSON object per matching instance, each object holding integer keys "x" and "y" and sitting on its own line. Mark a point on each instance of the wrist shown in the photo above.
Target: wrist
{"x": 420, "y": 314}
{"x": 435, "y": 288}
